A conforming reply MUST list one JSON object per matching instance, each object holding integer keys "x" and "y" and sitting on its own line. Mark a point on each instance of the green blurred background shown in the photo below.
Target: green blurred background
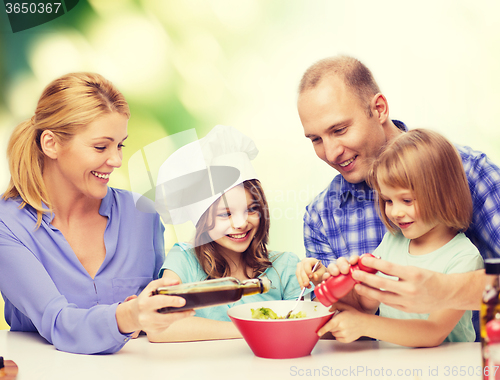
{"x": 197, "y": 63}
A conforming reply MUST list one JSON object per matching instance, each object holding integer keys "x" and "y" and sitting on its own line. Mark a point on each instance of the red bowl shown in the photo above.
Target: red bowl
{"x": 280, "y": 338}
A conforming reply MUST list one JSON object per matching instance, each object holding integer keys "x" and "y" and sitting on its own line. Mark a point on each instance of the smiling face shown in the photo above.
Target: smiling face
{"x": 338, "y": 125}
{"x": 236, "y": 220}
{"x": 83, "y": 165}
{"x": 401, "y": 208}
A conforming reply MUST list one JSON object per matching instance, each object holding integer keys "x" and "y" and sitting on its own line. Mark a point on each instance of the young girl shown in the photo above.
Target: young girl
{"x": 425, "y": 203}
{"x": 232, "y": 232}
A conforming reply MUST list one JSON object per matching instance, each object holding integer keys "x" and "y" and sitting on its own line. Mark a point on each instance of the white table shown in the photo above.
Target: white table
{"x": 233, "y": 359}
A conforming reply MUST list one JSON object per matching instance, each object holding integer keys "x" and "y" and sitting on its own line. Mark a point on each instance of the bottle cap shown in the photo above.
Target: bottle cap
{"x": 492, "y": 266}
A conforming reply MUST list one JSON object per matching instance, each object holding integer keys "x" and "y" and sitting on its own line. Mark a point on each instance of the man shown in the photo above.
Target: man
{"x": 347, "y": 120}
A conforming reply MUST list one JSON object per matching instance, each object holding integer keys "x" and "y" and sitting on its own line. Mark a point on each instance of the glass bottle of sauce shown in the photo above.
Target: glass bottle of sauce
{"x": 213, "y": 292}
{"x": 490, "y": 321}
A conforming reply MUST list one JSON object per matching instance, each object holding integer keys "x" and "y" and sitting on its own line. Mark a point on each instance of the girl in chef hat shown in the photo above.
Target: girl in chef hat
{"x": 212, "y": 183}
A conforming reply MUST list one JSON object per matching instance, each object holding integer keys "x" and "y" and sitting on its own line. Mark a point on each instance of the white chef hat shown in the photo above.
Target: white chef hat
{"x": 197, "y": 174}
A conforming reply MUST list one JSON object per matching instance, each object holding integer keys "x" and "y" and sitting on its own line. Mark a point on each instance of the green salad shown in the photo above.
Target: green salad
{"x": 266, "y": 313}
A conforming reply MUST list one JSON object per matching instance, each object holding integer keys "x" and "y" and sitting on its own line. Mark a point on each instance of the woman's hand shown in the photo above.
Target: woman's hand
{"x": 141, "y": 313}
{"x": 136, "y": 333}
{"x": 305, "y": 274}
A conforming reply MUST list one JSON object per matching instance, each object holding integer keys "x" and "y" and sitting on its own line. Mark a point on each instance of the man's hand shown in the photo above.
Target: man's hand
{"x": 417, "y": 290}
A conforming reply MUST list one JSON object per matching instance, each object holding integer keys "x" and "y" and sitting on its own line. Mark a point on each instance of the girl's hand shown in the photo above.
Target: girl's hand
{"x": 341, "y": 266}
{"x": 305, "y": 274}
{"x": 346, "y": 326}
{"x": 141, "y": 313}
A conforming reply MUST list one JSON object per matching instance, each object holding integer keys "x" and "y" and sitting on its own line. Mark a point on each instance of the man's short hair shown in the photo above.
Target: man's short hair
{"x": 355, "y": 75}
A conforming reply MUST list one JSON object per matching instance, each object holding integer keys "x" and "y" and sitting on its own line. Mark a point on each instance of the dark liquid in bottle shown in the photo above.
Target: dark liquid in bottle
{"x": 207, "y": 297}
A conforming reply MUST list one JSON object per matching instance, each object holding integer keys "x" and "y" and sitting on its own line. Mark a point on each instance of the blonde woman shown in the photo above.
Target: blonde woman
{"x": 72, "y": 249}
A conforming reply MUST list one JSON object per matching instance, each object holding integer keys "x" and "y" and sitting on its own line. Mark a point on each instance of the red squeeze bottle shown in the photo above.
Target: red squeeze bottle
{"x": 334, "y": 288}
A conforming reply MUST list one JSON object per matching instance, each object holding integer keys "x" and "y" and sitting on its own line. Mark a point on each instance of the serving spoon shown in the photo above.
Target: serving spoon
{"x": 301, "y": 293}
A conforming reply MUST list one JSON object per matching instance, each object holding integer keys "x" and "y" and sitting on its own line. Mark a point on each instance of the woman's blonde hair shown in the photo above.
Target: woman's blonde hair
{"x": 66, "y": 106}
{"x": 256, "y": 257}
{"x": 429, "y": 165}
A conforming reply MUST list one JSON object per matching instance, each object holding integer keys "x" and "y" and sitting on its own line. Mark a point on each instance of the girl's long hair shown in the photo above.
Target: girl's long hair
{"x": 429, "y": 165}
{"x": 256, "y": 257}
{"x": 66, "y": 106}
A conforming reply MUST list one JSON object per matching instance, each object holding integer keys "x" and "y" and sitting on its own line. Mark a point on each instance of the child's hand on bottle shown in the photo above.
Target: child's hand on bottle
{"x": 366, "y": 304}
{"x": 305, "y": 274}
{"x": 341, "y": 266}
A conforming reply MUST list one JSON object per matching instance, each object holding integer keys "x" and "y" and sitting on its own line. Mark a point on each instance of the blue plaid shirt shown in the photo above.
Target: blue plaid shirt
{"x": 343, "y": 220}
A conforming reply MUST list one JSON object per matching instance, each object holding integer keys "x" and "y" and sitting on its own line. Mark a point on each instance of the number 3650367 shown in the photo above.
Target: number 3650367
{"x": 32, "y": 7}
